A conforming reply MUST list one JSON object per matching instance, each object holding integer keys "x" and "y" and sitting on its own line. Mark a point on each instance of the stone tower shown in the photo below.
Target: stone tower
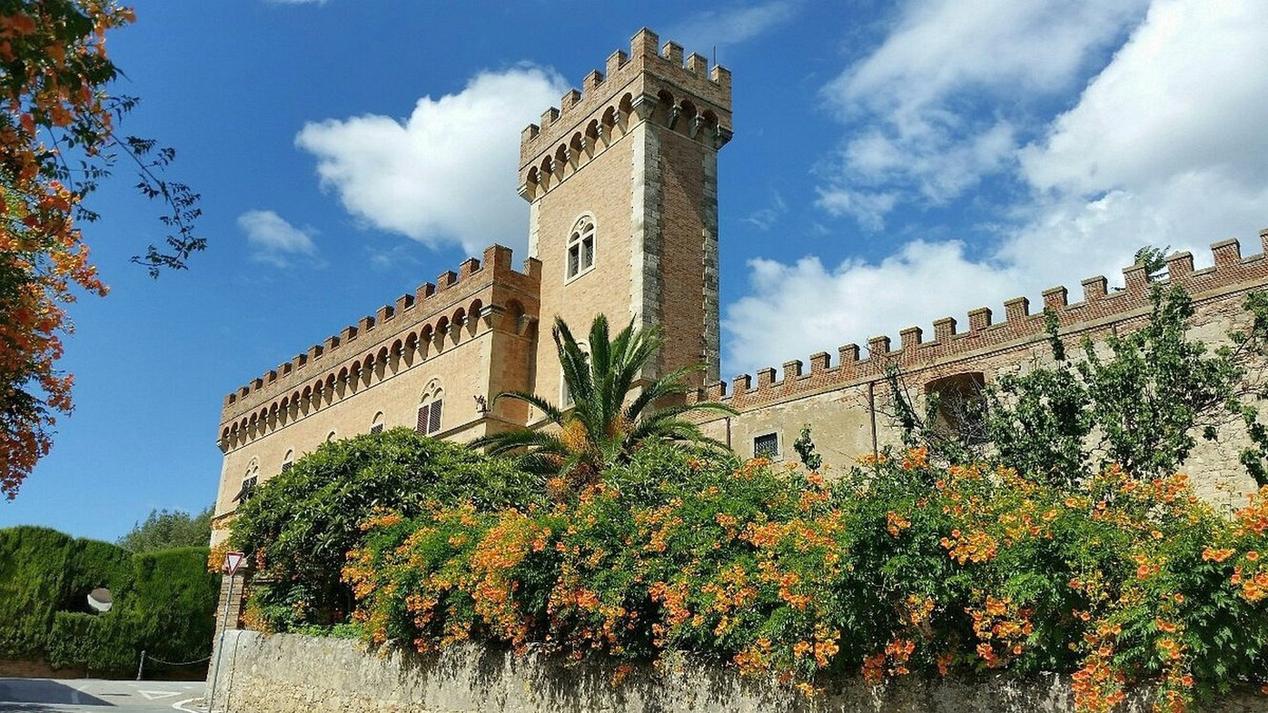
{"x": 622, "y": 183}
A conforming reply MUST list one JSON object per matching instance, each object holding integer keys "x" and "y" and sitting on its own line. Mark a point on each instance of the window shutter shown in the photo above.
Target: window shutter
{"x": 423, "y": 412}
{"x": 287, "y": 466}
{"x": 434, "y": 424}
{"x": 376, "y": 428}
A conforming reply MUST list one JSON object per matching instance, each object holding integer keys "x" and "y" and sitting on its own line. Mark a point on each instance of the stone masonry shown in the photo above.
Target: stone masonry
{"x": 287, "y": 673}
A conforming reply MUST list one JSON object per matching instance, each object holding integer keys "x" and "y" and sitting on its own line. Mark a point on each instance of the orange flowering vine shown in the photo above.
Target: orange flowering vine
{"x": 55, "y": 114}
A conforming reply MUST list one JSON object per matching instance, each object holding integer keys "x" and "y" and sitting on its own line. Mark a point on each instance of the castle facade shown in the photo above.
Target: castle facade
{"x": 621, "y": 180}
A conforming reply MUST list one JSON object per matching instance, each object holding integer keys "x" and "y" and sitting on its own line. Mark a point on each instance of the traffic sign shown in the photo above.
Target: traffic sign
{"x": 233, "y": 560}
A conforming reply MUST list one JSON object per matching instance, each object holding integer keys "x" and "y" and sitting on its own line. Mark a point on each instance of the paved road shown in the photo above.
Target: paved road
{"x": 44, "y": 695}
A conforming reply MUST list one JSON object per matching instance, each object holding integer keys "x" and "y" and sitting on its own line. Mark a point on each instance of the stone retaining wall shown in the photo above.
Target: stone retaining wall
{"x": 286, "y": 673}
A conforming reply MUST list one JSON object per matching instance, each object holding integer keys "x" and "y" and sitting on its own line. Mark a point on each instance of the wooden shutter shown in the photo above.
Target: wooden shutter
{"x": 434, "y": 424}
{"x": 423, "y": 418}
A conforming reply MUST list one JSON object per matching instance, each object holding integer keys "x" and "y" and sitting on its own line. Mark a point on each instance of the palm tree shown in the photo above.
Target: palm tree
{"x": 607, "y": 421}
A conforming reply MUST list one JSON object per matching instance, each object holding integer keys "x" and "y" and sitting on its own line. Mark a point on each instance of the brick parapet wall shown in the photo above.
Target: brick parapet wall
{"x": 649, "y": 84}
{"x": 377, "y": 334}
{"x": 628, "y": 74}
{"x": 1100, "y": 308}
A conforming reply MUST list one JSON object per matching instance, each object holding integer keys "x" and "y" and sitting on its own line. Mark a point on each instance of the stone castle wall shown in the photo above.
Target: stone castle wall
{"x": 847, "y": 404}
{"x": 287, "y": 673}
{"x": 470, "y": 334}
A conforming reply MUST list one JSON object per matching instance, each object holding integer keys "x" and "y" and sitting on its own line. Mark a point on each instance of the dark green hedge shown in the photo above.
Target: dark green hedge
{"x": 164, "y": 602}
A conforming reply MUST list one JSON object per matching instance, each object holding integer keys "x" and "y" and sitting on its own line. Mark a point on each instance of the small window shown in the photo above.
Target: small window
{"x": 330, "y": 437}
{"x": 376, "y": 426}
{"x": 766, "y": 446}
{"x": 288, "y": 460}
{"x": 581, "y": 248}
{"x": 287, "y": 466}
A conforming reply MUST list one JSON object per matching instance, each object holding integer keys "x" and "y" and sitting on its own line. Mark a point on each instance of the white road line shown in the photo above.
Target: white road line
{"x": 180, "y": 706}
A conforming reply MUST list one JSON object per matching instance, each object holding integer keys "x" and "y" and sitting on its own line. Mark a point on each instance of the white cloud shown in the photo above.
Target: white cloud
{"x": 919, "y": 94}
{"x": 868, "y": 208}
{"x": 1186, "y": 92}
{"x": 273, "y": 239}
{"x": 768, "y": 217}
{"x": 446, "y": 174}
{"x": 1163, "y": 147}
{"x": 732, "y": 26}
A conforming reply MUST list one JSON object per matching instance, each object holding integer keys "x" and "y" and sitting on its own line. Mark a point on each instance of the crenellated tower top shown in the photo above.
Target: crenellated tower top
{"x": 685, "y": 92}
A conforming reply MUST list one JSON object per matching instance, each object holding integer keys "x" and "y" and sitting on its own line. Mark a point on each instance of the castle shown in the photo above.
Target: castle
{"x": 621, "y": 180}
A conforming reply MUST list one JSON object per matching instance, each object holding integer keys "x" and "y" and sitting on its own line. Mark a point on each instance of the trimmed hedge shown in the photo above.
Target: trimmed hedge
{"x": 164, "y": 602}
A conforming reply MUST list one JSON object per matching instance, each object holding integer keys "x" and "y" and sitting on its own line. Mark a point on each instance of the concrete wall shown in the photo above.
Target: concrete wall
{"x": 287, "y": 673}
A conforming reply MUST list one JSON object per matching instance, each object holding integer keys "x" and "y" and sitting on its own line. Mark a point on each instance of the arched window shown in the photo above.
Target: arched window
{"x": 581, "y": 248}
{"x": 288, "y": 460}
{"x": 330, "y": 437}
{"x": 376, "y": 426}
{"x": 958, "y": 402}
{"x": 431, "y": 408}
{"x": 249, "y": 480}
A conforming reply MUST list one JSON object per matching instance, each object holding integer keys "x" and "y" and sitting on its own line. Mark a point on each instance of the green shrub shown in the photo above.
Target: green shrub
{"x": 898, "y": 568}
{"x": 164, "y": 602}
{"x": 299, "y": 525}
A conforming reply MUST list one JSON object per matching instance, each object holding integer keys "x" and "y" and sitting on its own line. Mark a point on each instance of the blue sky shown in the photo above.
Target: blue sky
{"x": 892, "y": 164}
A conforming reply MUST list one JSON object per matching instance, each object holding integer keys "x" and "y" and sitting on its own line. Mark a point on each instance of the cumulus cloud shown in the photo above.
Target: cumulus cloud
{"x": 274, "y": 240}
{"x": 1164, "y": 146}
{"x": 446, "y": 173}
{"x": 922, "y": 91}
{"x": 732, "y": 26}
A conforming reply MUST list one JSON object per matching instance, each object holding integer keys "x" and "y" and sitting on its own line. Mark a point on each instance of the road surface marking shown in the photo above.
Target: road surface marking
{"x": 180, "y": 706}
{"x": 155, "y": 695}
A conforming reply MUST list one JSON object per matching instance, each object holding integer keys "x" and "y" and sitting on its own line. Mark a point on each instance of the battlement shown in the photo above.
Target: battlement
{"x": 463, "y": 293}
{"x": 1100, "y": 307}
{"x": 648, "y": 80}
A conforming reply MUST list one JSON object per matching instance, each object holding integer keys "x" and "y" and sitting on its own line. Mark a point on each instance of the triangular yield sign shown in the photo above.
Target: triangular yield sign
{"x": 232, "y": 561}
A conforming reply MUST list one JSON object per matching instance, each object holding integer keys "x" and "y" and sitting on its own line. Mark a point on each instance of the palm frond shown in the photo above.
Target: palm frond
{"x": 539, "y": 441}
{"x": 552, "y": 411}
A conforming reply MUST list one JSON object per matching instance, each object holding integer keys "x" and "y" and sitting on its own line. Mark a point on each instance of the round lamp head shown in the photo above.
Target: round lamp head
{"x": 99, "y": 600}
